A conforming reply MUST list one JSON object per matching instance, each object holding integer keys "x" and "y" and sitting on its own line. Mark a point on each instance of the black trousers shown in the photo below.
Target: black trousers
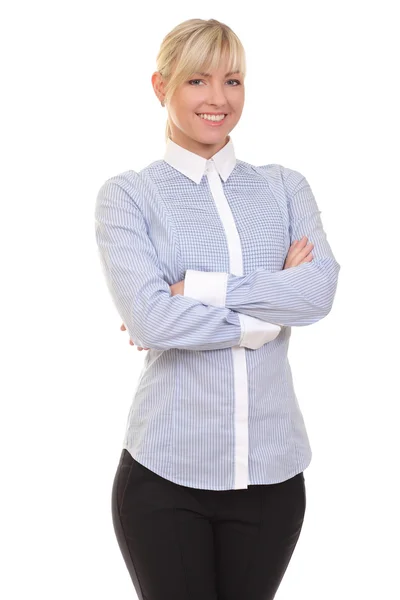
{"x": 182, "y": 543}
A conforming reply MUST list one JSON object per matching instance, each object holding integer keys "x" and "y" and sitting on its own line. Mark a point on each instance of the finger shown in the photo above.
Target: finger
{"x": 303, "y": 249}
{"x": 131, "y": 343}
{"x": 307, "y": 249}
{"x": 298, "y": 252}
{"x": 299, "y": 243}
{"x": 123, "y": 328}
{"x": 296, "y": 247}
{"x": 302, "y": 242}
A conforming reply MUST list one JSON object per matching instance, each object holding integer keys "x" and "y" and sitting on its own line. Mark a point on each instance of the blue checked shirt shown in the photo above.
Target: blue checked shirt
{"x": 214, "y": 407}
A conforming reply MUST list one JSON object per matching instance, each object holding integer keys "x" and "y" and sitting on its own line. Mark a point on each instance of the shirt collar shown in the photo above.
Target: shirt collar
{"x": 194, "y": 166}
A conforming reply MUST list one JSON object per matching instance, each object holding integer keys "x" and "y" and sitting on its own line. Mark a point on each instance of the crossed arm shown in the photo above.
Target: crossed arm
{"x": 214, "y": 310}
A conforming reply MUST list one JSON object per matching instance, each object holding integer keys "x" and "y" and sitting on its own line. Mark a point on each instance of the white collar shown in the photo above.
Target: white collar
{"x": 194, "y": 166}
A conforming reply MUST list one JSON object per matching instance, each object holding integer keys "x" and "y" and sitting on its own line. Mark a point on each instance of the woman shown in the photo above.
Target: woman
{"x": 210, "y": 261}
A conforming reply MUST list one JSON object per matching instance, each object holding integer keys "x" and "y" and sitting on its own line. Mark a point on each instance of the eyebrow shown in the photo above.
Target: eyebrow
{"x": 208, "y": 74}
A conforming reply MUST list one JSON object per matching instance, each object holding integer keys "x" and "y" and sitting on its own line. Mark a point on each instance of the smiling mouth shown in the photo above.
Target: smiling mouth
{"x": 214, "y": 122}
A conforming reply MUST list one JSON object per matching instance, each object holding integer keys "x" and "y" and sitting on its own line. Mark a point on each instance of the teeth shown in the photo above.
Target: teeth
{"x": 212, "y": 117}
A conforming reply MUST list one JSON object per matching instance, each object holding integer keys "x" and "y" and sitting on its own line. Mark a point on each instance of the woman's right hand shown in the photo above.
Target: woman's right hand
{"x": 299, "y": 253}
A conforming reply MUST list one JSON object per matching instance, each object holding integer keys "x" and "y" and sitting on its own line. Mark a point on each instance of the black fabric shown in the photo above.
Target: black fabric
{"x": 182, "y": 543}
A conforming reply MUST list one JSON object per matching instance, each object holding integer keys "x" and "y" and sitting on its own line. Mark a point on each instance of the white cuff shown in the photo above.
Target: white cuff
{"x": 207, "y": 287}
{"x": 255, "y": 332}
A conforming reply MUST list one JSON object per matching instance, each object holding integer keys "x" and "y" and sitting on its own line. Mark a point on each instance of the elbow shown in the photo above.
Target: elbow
{"x": 143, "y": 337}
{"x": 329, "y": 289}
{"x": 147, "y": 334}
{"x": 138, "y": 335}
{"x": 150, "y": 342}
{"x": 149, "y": 328}
{"x": 136, "y": 323}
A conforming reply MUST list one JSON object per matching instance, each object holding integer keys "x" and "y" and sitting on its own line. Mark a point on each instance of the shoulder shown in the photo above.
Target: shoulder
{"x": 126, "y": 180}
{"x": 137, "y": 186}
{"x": 292, "y": 179}
{"x": 146, "y": 181}
{"x": 279, "y": 177}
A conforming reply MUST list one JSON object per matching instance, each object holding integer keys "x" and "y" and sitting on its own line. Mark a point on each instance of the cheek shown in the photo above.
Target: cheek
{"x": 238, "y": 109}
{"x": 187, "y": 102}
{"x": 186, "y": 112}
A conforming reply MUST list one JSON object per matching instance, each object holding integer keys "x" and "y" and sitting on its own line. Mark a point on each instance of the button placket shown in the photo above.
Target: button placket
{"x": 241, "y": 474}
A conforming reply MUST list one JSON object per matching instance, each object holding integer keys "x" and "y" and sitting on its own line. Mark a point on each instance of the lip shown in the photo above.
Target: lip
{"x": 212, "y": 123}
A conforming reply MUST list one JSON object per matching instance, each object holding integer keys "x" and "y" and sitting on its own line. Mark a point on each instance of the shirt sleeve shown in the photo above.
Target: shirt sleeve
{"x": 299, "y": 295}
{"x": 152, "y": 317}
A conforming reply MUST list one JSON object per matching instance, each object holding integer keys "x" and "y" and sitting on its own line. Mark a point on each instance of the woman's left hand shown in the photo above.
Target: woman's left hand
{"x": 177, "y": 288}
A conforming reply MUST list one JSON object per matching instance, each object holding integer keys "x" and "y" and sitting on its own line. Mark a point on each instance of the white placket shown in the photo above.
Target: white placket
{"x": 239, "y": 353}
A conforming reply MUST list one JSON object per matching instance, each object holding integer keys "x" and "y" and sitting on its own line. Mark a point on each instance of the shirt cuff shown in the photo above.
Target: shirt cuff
{"x": 206, "y": 287}
{"x": 255, "y": 332}
{"x": 210, "y": 288}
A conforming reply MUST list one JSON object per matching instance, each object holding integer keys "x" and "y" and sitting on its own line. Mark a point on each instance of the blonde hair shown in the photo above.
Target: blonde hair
{"x": 197, "y": 45}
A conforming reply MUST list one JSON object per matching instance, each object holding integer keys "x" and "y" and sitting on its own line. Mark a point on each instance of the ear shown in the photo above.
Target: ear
{"x": 158, "y": 85}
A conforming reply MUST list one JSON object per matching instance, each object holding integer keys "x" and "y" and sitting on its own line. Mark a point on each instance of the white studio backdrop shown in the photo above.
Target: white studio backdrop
{"x": 77, "y": 108}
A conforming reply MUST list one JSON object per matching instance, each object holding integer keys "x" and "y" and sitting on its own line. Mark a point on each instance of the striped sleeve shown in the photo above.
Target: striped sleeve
{"x": 152, "y": 317}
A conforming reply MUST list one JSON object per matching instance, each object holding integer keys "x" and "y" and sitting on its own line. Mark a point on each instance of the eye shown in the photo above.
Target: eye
{"x": 235, "y": 80}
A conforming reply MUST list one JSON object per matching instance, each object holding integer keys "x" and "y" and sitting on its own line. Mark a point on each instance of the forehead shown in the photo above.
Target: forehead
{"x": 223, "y": 63}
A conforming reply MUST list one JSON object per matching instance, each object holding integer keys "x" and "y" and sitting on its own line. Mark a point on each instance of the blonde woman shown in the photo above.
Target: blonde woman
{"x": 210, "y": 262}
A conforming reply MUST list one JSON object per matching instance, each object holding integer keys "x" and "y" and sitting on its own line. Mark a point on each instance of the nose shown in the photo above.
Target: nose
{"x": 217, "y": 94}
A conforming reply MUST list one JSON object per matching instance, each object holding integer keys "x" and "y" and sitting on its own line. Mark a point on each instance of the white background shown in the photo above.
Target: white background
{"x": 77, "y": 108}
